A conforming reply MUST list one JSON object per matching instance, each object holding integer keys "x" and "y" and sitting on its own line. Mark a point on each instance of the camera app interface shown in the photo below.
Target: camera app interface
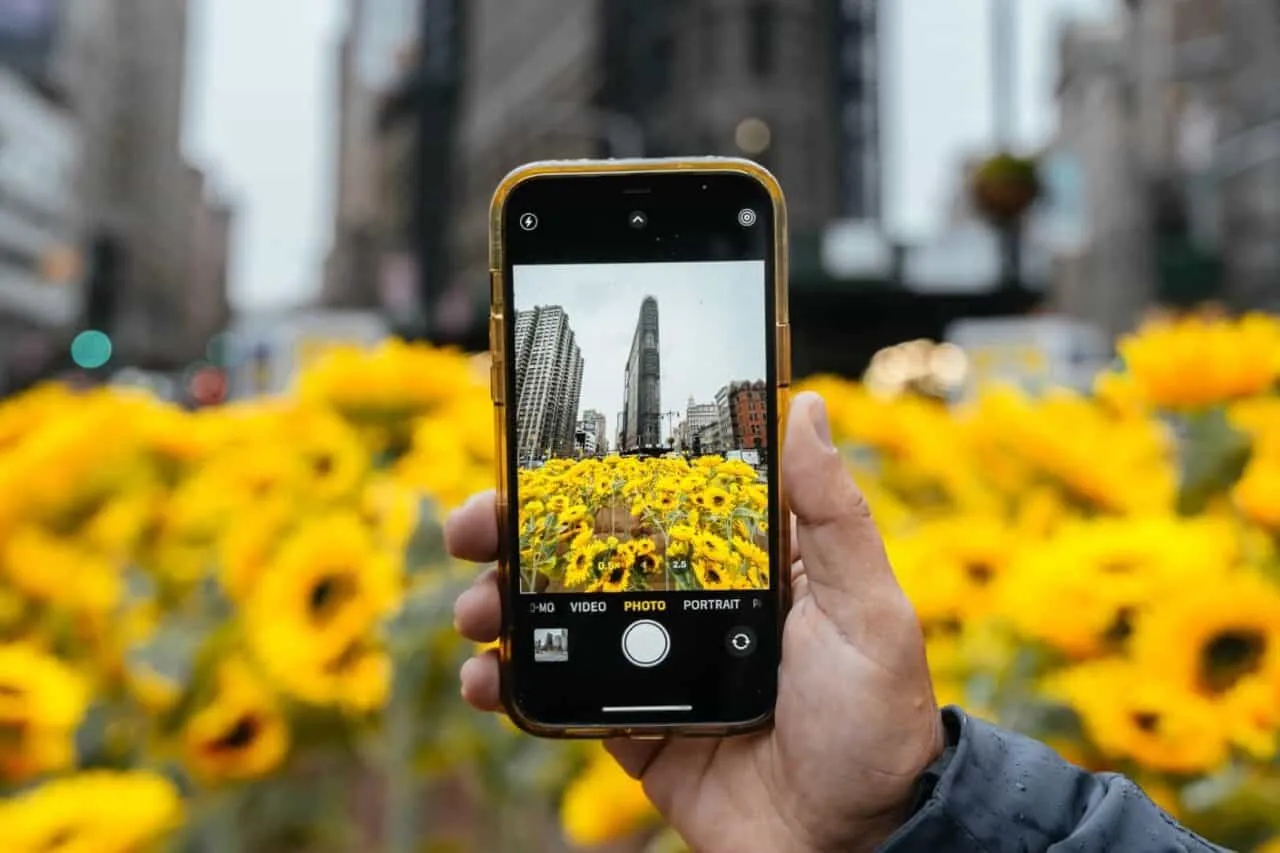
{"x": 642, "y": 432}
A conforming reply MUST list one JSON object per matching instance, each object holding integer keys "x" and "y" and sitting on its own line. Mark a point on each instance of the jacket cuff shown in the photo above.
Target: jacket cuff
{"x": 982, "y": 792}
{"x": 997, "y": 791}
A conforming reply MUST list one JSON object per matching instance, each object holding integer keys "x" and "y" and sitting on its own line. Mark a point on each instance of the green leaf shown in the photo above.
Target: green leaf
{"x": 426, "y": 548}
{"x": 1213, "y": 456}
{"x": 170, "y": 653}
{"x": 139, "y": 586}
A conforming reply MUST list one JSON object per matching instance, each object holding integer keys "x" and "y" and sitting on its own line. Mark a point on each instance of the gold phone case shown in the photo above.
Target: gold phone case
{"x": 498, "y": 385}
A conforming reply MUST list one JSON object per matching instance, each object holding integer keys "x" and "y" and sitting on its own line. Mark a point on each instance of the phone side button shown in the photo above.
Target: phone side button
{"x": 495, "y": 383}
{"x": 784, "y": 354}
{"x": 496, "y": 342}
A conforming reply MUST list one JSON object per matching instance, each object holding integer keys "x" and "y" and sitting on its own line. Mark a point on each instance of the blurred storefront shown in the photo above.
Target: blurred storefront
{"x": 1172, "y": 111}
{"x": 401, "y": 67}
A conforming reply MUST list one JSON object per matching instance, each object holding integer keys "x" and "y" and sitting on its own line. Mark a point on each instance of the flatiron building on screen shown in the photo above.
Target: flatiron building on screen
{"x": 641, "y": 426}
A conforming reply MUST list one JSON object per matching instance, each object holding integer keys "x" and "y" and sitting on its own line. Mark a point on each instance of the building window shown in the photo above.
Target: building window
{"x": 761, "y": 23}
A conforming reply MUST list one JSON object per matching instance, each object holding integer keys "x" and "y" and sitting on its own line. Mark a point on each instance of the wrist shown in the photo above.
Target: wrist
{"x": 870, "y": 833}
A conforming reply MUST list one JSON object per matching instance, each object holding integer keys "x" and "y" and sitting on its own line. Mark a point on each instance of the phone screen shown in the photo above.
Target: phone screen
{"x": 642, "y": 460}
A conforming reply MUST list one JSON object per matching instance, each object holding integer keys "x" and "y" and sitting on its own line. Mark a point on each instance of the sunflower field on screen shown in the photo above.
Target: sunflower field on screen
{"x": 231, "y": 630}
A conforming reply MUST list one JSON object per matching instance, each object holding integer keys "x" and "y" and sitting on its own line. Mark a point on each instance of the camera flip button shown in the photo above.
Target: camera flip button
{"x": 741, "y": 642}
{"x": 646, "y": 643}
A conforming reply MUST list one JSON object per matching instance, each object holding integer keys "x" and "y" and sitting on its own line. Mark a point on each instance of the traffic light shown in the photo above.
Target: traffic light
{"x": 103, "y": 284}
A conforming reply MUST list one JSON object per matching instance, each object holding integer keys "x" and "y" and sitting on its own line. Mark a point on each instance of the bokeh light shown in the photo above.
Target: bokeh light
{"x": 753, "y": 136}
{"x": 207, "y": 386}
{"x": 91, "y": 349}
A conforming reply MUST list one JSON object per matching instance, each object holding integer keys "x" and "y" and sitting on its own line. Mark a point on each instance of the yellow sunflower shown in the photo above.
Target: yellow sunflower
{"x": 328, "y": 585}
{"x": 614, "y": 575}
{"x": 356, "y": 679}
{"x": 1221, "y": 642}
{"x": 391, "y": 510}
{"x": 249, "y": 543}
{"x": 1082, "y": 591}
{"x": 1194, "y": 362}
{"x": 1128, "y": 714}
{"x": 604, "y": 805}
{"x": 334, "y": 459}
{"x": 42, "y": 702}
{"x": 93, "y": 812}
{"x": 240, "y": 733}
{"x": 60, "y": 571}
{"x": 1257, "y": 493}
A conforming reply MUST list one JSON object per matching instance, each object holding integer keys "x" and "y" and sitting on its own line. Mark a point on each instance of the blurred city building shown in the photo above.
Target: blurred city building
{"x": 593, "y": 433}
{"x": 40, "y": 229}
{"x": 1173, "y": 113}
{"x": 210, "y": 234}
{"x": 793, "y": 84}
{"x": 376, "y": 50}
{"x": 698, "y": 417}
{"x": 548, "y": 371}
{"x": 157, "y": 232}
{"x": 399, "y": 71}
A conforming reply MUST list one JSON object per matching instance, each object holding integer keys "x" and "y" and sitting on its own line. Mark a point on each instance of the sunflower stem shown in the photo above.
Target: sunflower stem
{"x": 402, "y": 793}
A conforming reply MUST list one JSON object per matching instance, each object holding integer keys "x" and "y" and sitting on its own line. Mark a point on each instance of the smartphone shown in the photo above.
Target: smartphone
{"x": 640, "y": 357}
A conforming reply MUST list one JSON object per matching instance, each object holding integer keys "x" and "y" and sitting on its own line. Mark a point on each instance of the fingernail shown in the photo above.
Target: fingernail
{"x": 821, "y": 426}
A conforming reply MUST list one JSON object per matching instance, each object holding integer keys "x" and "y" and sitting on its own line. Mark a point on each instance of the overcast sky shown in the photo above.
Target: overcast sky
{"x": 262, "y": 103}
{"x": 711, "y": 327}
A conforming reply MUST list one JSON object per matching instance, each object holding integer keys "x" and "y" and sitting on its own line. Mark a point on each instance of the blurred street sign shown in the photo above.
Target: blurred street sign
{"x": 967, "y": 259}
{"x": 856, "y": 249}
{"x": 281, "y": 345}
{"x": 1061, "y": 219}
{"x": 398, "y": 285}
{"x": 1033, "y": 353}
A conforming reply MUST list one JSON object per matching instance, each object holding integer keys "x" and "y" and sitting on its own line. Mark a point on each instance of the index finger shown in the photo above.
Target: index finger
{"x": 471, "y": 531}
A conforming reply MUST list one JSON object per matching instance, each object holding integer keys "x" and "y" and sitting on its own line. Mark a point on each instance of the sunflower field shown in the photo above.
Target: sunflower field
{"x": 230, "y": 630}
{"x": 626, "y": 524}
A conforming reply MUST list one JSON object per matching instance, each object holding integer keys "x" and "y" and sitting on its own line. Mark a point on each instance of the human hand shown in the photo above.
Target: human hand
{"x": 856, "y": 722}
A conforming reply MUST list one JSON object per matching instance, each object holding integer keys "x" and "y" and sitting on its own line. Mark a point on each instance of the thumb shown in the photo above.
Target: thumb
{"x": 845, "y": 563}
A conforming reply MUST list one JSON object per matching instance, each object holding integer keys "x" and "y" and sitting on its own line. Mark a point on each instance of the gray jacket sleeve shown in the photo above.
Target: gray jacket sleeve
{"x": 997, "y": 792}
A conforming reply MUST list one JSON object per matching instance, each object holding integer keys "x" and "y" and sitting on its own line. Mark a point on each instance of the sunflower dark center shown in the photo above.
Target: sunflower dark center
{"x": 61, "y": 837}
{"x": 713, "y": 575}
{"x": 980, "y": 572}
{"x": 1146, "y": 721}
{"x": 1229, "y": 657}
{"x": 1121, "y": 626}
{"x": 242, "y": 734}
{"x": 323, "y": 465}
{"x": 329, "y": 594}
{"x": 616, "y": 574}
{"x": 948, "y": 627}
